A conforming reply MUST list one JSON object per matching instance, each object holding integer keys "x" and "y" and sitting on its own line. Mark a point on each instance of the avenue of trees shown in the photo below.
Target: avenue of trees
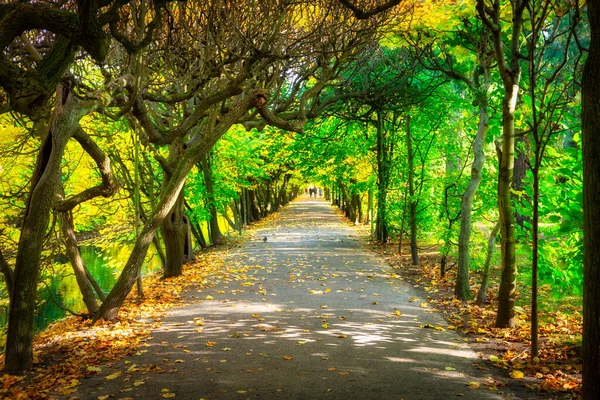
{"x": 165, "y": 124}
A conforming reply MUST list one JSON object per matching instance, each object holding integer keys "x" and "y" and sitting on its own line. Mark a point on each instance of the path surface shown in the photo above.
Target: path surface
{"x": 321, "y": 318}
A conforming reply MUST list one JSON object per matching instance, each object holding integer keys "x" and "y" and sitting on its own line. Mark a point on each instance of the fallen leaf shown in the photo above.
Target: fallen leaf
{"x": 93, "y": 369}
{"x": 113, "y": 376}
{"x": 138, "y": 383}
{"x": 287, "y": 357}
{"x": 473, "y": 385}
{"x": 209, "y": 297}
{"x": 516, "y": 374}
{"x": 450, "y": 369}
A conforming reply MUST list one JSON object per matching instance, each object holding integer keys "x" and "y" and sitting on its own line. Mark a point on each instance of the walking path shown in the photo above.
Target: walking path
{"x": 312, "y": 314}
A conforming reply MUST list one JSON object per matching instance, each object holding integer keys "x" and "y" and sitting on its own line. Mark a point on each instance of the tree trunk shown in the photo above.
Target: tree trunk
{"x": 44, "y": 183}
{"x": 381, "y": 229}
{"x": 462, "y": 289}
{"x": 414, "y": 250}
{"x": 403, "y": 221}
{"x": 506, "y": 298}
{"x": 487, "y": 266}
{"x": 175, "y": 233}
{"x": 590, "y": 102}
{"x": 116, "y": 297}
{"x": 535, "y": 258}
{"x": 79, "y": 270}
{"x": 510, "y": 72}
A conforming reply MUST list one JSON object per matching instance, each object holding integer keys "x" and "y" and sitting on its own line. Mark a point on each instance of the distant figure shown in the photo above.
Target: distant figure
{"x": 310, "y": 191}
{"x": 265, "y": 239}
{"x": 320, "y": 192}
{"x": 305, "y": 190}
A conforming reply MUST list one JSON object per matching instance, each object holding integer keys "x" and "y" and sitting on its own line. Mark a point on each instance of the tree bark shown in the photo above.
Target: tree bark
{"x": 590, "y": 101}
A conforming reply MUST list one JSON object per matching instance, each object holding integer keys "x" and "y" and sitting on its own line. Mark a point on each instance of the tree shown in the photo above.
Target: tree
{"x": 509, "y": 67}
{"x": 552, "y": 85}
{"x": 590, "y": 101}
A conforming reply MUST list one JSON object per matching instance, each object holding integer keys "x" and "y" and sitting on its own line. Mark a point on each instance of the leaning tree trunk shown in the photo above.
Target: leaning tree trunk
{"x": 44, "y": 183}
{"x": 79, "y": 270}
{"x": 110, "y": 307}
{"x": 590, "y": 101}
{"x": 116, "y": 297}
{"x": 462, "y": 288}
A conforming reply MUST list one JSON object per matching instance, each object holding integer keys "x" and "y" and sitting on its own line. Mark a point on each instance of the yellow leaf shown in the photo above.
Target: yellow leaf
{"x": 516, "y": 374}
{"x": 424, "y": 305}
{"x": 398, "y": 313}
{"x": 106, "y": 396}
{"x": 210, "y": 344}
{"x": 179, "y": 361}
{"x": 450, "y": 369}
{"x": 138, "y": 383}
{"x": 494, "y": 359}
{"x": 168, "y": 395}
{"x": 473, "y": 385}
{"x": 327, "y": 290}
{"x": 287, "y": 357}
{"x": 209, "y": 297}
{"x": 342, "y": 336}
{"x": 254, "y": 315}
{"x": 94, "y": 369}
{"x": 325, "y": 326}
{"x": 113, "y": 376}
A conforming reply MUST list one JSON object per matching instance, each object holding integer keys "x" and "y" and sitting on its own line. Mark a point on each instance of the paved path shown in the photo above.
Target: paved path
{"x": 321, "y": 318}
